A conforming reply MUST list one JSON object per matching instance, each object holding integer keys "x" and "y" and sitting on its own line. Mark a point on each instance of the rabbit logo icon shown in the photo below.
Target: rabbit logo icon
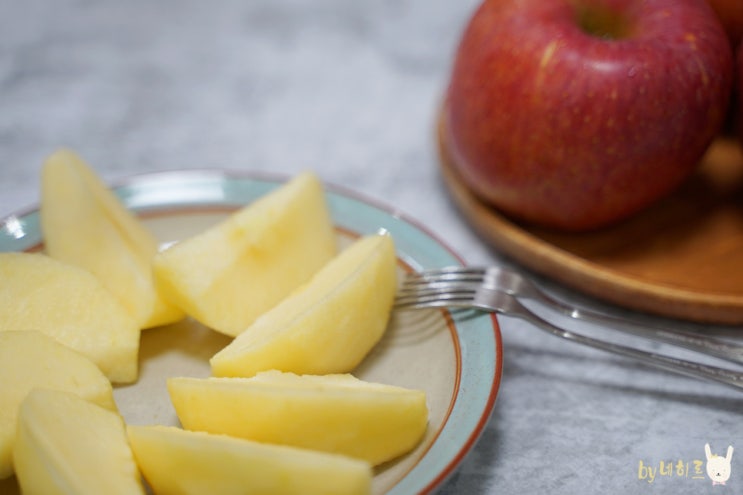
{"x": 718, "y": 467}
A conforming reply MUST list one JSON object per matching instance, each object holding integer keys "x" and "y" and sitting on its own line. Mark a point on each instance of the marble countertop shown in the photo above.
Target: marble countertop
{"x": 350, "y": 90}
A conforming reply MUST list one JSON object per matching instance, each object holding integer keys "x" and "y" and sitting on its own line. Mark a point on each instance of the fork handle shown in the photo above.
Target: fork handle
{"x": 669, "y": 363}
{"x": 707, "y": 345}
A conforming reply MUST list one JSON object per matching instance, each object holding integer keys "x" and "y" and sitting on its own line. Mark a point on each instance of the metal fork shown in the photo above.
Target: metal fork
{"x": 497, "y": 289}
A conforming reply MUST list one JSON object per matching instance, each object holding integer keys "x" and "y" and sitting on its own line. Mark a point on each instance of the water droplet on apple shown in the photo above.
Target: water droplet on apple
{"x": 632, "y": 72}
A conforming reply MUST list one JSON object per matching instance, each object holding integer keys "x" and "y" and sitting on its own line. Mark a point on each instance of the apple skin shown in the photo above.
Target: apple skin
{"x": 730, "y": 13}
{"x": 738, "y": 97}
{"x": 566, "y": 129}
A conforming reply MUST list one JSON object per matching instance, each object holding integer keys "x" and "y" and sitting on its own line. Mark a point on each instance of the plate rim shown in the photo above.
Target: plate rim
{"x": 468, "y": 439}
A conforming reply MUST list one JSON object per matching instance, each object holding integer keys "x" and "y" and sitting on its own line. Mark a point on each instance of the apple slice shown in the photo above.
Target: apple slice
{"x": 70, "y": 305}
{"x": 228, "y": 275}
{"x": 32, "y": 359}
{"x": 67, "y": 445}
{"x": 326, "y": 326}
{"x": 331, "y": 413}
{"x": 85, "y": 224}
{"x": 186, "y": 462}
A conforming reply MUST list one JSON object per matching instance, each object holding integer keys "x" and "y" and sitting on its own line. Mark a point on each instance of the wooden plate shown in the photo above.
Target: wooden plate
{"x": 681, "y": 258}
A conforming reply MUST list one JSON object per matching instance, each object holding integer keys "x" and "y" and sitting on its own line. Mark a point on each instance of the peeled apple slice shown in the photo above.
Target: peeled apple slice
{"x": 32, "y": 359}
{"x": 70, "y": 305}
{"x": 331, "y": 413}
{"x": 185, "y": 462}
{"x": 86, "y": 225}
{"x": 329, "y": 324}
{"x": 67, "y": 445}
{"x": 228, "y": 275}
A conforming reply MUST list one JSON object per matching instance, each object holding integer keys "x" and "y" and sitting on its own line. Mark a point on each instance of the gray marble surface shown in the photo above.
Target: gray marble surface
{"x": 350, "y": 90}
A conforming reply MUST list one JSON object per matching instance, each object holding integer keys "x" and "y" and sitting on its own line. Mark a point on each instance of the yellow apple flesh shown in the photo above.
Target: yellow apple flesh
{"x": 194, "y": 463}
{"x": 31, "y": 359}
{"x": 85, "y": 224}
{"x": 331, "y": 413}
{"x": 328, "y": 325}
{"x": 69, "y": 304}
{"x": 233, "y": 272}
{"x": 66, "y": 445}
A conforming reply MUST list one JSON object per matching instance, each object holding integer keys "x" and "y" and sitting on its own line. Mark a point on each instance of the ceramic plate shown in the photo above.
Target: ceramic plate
{"x": 454, "y": 357}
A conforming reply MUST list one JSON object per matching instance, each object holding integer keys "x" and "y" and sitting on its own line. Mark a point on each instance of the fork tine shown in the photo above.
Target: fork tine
{"x": 451, "y": 273}
{"x": 444, "y": 277}
{"x": 430, "y": 290}
{"x": 426, "y": 295}
{"x": 449, "y": 286}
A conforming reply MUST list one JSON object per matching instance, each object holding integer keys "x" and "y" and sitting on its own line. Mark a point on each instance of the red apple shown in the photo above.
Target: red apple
{"x": 738, "y": 96}
{"x": 575, "y": 114}
{"x": 730, "y": 13}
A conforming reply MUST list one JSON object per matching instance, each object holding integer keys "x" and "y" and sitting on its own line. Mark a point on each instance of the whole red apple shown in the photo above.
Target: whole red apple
{"x": 578, "y": 113}
{"x": 730, "y": 13}
{"x": 738, "y": 97}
